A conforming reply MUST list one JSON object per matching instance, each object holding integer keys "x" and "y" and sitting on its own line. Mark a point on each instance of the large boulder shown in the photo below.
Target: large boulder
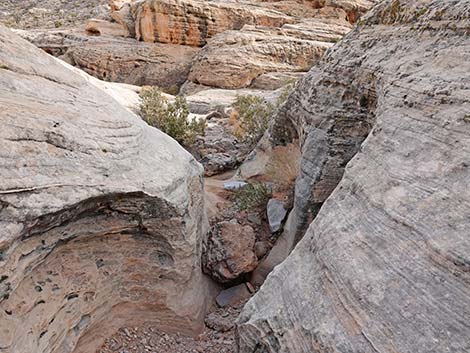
{"x": 229, "y": 251}
{"x": 101, "y": 216}
{"x": 384, "y": 267}
{"x": 111, "y": 57}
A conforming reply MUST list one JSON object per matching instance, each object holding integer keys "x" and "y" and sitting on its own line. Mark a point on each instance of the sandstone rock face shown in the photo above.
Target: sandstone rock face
{"x": 118, "y": 59}
{"x": 275, "y": 80}
{"x": 126, "y": 95}
{"x": 236, "y": 59}
{"x": 384, "y": 267}
{"x": 102, "y": 27}
{"x": 192, "y": 22}
{"x": 353, "y": 8}
{"x": 229, "y": 251}
{"x": 100, "y": 215}
{"x": 121, "y": 13}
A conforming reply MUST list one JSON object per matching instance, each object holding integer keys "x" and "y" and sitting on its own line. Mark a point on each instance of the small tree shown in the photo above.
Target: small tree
{"x": 171, "y": 118}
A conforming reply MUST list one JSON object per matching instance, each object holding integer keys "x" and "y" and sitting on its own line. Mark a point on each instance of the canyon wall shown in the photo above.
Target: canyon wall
{"x": 101, "y": 216}
{"x": 384, "y": 126}
{"x": 192, "y": 22}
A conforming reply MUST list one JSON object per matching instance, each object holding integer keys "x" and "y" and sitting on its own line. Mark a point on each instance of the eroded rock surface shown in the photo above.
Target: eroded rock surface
{"x": 384, "y": 265}
{"x": 101, "y": 216}
{"x": 192, "y": 22}
{"x": 111, "y": 57}
{"x": 229, "y": 251}
{"x": 238, "y": 59}
{"x": 234, "y": 59}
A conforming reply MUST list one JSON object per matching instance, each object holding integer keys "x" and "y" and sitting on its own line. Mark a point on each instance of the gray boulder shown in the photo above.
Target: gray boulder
{"x": 276, "y": 214}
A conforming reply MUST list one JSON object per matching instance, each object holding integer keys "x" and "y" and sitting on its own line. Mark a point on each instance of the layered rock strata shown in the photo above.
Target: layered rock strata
{"x": 115, "y": 58}
{"x": 239, "y": 59}
{"x": 192, "y": 22}
{"x": 384, "y": 267}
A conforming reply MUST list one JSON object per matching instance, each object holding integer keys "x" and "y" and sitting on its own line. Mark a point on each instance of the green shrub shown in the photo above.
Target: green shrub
{"x": 173, "y": 90}
{"x": 171, "y": 118}
{"x": 251, "y": 196}
{"x": 253, "y": 114}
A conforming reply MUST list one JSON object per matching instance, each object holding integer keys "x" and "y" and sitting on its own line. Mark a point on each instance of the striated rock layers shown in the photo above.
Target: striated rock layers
{"x": 256, "y": 44}
{"x": 192, "y": 22}
{"x": 385, "y": 265}
{"x": 238, "y": 59}
{"x": 101, "y": 216}
{"x": 113, "y": 58}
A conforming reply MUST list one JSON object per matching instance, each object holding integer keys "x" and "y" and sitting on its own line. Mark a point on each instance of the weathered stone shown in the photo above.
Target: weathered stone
{"x": 384, "y": 265}
{"x": 219, "y": 162}
{"x": 276, "y": 164}
{"x": 121, "y": 13}
{"x": 99, "y": 27}
{"x": 218, "y": 150}
{"x": 209, "y": 100}
{"x": 277, "y": 254}
{"x": 233, "y": 295}
{"x": 234, "y": 59}
{"x": 217, "y": 322}
{"x": 192, "y": 22}
{"x": 124, "y": 94}
{"x": 118, "y": 59}
{"x": 250, "y": 57}
{"x": 229, "y": 251}
{"x": 101, "y": 216}
{"x": 275, "y": 80}
{"x": 254, "y": 218}
{"x": 276, "y": 214}
{"x": 262, "y": 248}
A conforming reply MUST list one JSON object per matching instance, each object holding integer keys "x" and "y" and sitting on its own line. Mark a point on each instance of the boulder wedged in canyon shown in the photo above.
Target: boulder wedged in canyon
{"x": 384, "y": 267}
{"x": 118, "y": 59}
{"x": 192, "y": 22}
{"x": 229, "y": 251}
{"x": 101, "y": 216}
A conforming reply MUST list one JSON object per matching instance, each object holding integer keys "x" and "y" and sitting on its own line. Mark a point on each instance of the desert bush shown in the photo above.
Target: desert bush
{"x": 251, "y": 114}
{"x": 173, "y": 90}
{"x": 251, "y": 196}
{"x": 171, "y": 118}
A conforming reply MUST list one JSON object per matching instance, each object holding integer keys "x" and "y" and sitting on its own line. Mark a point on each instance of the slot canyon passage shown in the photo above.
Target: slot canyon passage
{"x": 325, "y": 206}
